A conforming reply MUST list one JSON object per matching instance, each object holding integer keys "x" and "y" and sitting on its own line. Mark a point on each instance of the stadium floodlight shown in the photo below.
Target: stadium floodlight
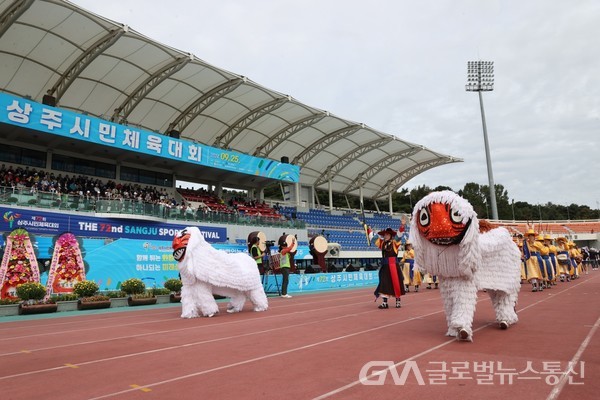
{"x": 480, "y": 78}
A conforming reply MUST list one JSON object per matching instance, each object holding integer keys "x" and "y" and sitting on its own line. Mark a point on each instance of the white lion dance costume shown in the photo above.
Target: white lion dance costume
{"x": 206, "y": 271}
{"x": 448, "y": 243}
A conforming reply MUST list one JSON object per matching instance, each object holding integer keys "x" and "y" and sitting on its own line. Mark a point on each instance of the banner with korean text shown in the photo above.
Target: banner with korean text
{"x": 56, "y": 121}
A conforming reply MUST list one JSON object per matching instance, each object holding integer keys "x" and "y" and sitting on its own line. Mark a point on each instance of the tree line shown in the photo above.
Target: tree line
{"x": 478, "y": 195}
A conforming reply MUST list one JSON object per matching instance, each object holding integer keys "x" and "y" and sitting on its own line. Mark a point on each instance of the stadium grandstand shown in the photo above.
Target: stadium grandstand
{"x": 122, "y": 140}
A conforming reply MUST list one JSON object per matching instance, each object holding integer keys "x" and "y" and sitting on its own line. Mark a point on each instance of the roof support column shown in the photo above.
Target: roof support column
{"x": 297, "y": 187}
{"x": 390, "y": 204}
{"x": 360, "y": 195}
{"x": 316, "y": 201}
{"x": 329, "y": 187}
{"x": 261, "y": 194}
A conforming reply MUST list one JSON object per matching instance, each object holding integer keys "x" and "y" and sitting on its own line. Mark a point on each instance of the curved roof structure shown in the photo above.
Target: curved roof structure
{"x": 96, "y": 66}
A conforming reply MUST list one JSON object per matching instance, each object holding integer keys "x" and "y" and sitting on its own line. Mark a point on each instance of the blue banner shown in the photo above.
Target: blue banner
{"x": 109, "y": 263}
{"x": 49, "y": 223}
{"x": 323, "y": 281}
{"x": 56, "y": 121}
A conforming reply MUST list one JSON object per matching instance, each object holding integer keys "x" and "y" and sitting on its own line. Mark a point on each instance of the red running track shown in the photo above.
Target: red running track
{"x": 312, "y": 346}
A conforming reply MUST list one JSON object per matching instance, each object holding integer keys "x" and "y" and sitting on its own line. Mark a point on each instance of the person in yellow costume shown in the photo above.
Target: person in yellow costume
{"x": 562, "y": 247}
{"x": 519, "y": 242}
{"x": 576, "y": 258}
{"x": 547, "y": 264}
{"x": 532, "y": 262}
{"x": 412, "y": 276}
{"x": 553, "y": 252}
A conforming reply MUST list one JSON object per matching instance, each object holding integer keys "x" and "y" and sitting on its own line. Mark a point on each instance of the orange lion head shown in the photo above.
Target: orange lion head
{"x": 180, "y": 242}
{"x": 441, "y": 224}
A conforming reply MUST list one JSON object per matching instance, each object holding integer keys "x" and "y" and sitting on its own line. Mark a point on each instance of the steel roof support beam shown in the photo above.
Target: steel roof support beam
{"x": 341, "y": 162}
{"x": 12, "y": 13}
{"x": 379, "y": 166}
{"x": 284, "y": 134}
{"x": 394, "y": 184}
{"x": 200, "y": 104}
{"x": 308, "y": 153}
{"x": 155, "y": 79}
{"x": 224, "y": 139}
{"x": 84, "y": 59}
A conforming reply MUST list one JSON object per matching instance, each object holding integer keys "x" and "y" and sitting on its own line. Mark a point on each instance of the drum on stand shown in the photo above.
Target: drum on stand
{"x": 290, "y": 240}
{"x": 319, "y": 244}
{"x": 262, "y": 240}
{"x": 318, "y": 247}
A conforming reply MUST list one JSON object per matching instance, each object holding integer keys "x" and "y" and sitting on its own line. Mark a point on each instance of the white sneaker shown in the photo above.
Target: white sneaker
{"x": 286, "y": 296}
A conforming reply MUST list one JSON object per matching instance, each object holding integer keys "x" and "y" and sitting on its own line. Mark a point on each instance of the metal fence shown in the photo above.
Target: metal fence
{"x": 69, "y": 202}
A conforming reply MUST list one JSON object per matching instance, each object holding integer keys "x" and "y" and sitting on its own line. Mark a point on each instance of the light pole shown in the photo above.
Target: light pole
{"x": 480, "y": 78}
{"x": 513, "y": 208}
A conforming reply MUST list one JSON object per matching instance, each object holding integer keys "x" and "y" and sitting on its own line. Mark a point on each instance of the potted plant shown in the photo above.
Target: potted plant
{"x": 9, "y": 306}
{"x": 136, "y": 289}
{"x": 174, "y": 285}
{"x": 163, "y": 295}
{"x": 33, "y": 294}
{"x": 66, "y": 302}
{"x": 117, "y": 298}
{"x": 87, "y": 291}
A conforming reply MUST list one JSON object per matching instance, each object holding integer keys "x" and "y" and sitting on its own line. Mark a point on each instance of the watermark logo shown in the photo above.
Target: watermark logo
{"x": 371, "y": 374}
{"x": 375, "y": 373}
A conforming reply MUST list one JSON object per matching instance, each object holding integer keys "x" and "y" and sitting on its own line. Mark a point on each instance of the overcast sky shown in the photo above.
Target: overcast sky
{"x": 400, "y": 67}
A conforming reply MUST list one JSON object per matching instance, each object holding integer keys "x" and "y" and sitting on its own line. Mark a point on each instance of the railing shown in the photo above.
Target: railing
{"x": 70, "y": 202}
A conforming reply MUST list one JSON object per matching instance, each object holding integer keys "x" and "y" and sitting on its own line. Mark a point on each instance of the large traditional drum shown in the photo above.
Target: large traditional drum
{"x": 318, "y": 247}
{"x": 318, "y": 244}
{"x": 262, "y": 240}
{"x": 289, "y": 239}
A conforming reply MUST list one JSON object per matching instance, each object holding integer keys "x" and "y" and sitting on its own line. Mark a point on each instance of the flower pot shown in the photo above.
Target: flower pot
{"x": 118, "y": 302}
{"x": 163, "y": 298}
{"x": 25, "y": 309}
{"x": 92, "y": 305}
{"x": 9, "y": 309}
{"x": 175, "y": 298}
{"x": 141, "y": 302}
{"x": 70, "y": 305}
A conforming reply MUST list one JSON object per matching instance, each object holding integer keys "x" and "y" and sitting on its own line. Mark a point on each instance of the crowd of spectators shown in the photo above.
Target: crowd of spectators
{"x": 88, "y": 188}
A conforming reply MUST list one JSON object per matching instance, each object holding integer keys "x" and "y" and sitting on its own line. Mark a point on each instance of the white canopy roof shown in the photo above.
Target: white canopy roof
{"x": 93, "y": 65}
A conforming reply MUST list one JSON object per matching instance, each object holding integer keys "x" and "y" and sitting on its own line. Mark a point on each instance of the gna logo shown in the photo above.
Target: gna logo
{"x": 10, "y": 217}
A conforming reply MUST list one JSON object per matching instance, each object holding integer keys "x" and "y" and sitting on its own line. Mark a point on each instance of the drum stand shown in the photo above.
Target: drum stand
{"x": 270, "y": 270}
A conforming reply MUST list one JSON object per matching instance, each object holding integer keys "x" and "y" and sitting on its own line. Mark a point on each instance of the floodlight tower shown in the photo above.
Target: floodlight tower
{"x": 480, "y": 78}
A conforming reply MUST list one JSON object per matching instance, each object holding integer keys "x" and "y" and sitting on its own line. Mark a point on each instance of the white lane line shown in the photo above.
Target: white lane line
{"x": 295, "y": 304}
{"x": 359, "y": 381}
{"x": 217, "y": 324}
{"x": 181, "y": 346}
{"x": 266, "y": 356}
{"x": 565, "y": 375}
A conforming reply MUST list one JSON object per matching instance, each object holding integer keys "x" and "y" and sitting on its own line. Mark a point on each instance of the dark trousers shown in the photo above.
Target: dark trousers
{"x": 285, "y": 278}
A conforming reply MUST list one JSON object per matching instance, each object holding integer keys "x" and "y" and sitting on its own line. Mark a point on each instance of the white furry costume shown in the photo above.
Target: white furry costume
{"x": 206, "y": 271}
{"x": 472, "y": 261}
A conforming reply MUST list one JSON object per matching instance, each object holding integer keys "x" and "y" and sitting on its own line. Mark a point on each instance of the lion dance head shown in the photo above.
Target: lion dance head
{"x": 441, "y": 221}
